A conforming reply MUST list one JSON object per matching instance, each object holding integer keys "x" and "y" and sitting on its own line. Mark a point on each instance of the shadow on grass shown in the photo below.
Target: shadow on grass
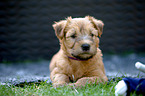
{"x": 24, "y": 84}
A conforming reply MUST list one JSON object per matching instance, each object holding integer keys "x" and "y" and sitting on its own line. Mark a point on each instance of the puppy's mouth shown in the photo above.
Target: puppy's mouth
{"x": 83, "y": 56}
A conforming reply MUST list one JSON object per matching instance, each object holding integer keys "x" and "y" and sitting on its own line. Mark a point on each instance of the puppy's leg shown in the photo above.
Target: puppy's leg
{"x": 89, "y": 80}
{"x": 58, "y": 79}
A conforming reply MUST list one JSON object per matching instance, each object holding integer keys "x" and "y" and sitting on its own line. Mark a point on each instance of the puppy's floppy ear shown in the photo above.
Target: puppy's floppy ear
{"x": 98, "y": 24}
{"x": 60, "y": 26}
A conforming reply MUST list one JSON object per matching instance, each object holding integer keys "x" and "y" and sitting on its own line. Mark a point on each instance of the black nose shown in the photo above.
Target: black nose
{"x": 85, "y": 47}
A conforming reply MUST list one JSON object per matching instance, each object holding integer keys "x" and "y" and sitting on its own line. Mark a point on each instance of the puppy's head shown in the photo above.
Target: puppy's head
{"x": 79, "y": 36}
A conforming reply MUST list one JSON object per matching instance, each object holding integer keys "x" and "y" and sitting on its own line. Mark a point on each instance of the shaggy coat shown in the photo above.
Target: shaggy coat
{"x": 79, "y": 60}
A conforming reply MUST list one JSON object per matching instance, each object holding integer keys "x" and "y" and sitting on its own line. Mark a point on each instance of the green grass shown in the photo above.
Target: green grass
{"x": 45, "y": 89}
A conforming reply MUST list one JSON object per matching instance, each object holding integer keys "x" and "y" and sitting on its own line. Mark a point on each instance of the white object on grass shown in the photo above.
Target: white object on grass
{"x": 121, "y": 88}
{"x": 140, "y": 66}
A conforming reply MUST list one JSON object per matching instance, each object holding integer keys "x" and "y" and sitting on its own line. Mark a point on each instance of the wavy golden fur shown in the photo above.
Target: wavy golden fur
{"x": 79, "y": 59}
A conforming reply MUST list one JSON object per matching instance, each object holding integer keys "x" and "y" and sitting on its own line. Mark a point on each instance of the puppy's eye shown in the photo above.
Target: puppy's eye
{"x": 92, "y": 34}
{"x": 73, "y": 36}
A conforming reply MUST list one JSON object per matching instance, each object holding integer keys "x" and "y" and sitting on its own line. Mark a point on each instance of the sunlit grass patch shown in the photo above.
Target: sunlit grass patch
{"x": 46, "y": 89}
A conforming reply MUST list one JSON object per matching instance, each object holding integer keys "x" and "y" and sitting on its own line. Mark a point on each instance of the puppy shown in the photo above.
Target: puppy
{"x": 79, "y": 59}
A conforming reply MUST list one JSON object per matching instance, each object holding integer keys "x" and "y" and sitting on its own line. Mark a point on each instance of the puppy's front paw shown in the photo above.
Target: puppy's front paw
{"x": 56, "y": 85}
{"x": 76, "y": 85}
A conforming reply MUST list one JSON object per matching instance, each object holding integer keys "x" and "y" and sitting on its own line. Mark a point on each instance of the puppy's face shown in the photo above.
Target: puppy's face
{"x": 79, "y": 36}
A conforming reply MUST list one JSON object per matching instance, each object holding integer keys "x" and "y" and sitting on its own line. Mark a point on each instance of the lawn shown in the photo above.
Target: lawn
{"x": 45, "y": 89}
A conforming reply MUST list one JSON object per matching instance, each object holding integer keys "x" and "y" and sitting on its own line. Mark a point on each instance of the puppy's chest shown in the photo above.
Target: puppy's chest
{"x": 76, "y": 71}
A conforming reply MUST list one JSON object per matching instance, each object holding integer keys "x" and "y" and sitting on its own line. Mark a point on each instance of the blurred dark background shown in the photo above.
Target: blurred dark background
{"x": 26, "y": 31}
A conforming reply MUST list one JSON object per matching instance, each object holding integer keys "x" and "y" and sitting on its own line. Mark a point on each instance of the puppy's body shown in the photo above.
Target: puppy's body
{"x": 79, "y": 58}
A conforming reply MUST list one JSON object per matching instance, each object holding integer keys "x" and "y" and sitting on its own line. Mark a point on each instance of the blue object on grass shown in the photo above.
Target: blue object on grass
{"x": 135, "y": 85}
